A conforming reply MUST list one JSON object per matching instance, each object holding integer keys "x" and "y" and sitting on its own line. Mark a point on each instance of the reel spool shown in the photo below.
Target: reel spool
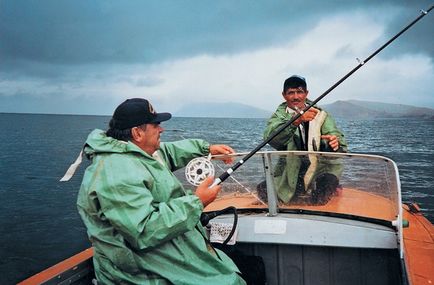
{"x": 198, "y": 169}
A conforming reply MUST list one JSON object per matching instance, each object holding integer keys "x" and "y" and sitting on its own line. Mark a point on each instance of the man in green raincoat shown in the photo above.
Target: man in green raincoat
{"x": 144, "y": 226}
{"x": 315, "y": 130}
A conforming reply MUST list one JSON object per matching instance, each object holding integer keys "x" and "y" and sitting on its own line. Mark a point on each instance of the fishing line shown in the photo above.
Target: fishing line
{"x": 245, "y": 187}
{"x": 298, "y": 114}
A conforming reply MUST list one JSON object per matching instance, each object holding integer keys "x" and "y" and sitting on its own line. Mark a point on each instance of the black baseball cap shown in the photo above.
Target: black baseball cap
{"x": 135, "y": 112}
{"x": 295, "y": 81}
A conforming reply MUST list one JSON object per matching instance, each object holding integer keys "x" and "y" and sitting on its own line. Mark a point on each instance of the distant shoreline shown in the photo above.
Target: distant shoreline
{"x": 343, "y": 109}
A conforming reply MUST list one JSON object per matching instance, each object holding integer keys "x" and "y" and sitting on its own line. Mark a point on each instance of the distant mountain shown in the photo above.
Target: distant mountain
{"x": 221, "y": 110}
{"x": 348, "y": 109}
{"x": 356, "y": 109}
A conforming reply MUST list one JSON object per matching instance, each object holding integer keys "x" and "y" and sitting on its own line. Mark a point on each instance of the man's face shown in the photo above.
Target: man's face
{"x": 150, "y": 141}
{"x": 295, "y": 97}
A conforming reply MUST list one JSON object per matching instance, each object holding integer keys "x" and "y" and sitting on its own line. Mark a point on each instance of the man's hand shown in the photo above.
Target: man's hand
{"x": 332, "y": 140}
{"x": 206, "y": 194}
{"x": 222, "y": 149}
{"x": 309, "y": 115}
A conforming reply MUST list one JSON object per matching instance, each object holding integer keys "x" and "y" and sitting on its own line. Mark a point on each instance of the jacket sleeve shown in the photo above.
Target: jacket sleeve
{"x": 329, "y": 128}
{"x": 128, "y": 204}
{"x": 281, "y": 141}
{"x": 178, "y": 154}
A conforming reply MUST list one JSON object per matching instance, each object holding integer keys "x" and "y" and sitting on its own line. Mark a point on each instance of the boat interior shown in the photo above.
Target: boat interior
{"x": 264, "y": 263}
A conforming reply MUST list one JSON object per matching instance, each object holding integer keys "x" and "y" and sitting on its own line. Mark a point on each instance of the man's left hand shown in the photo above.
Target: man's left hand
{"x": 332, "y": 140}
{"x": 222, "y": 149}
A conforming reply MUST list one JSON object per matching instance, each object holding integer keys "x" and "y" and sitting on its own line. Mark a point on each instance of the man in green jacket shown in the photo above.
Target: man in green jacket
{"x": 144, "y": 226}
{"x": 315, "y": 130}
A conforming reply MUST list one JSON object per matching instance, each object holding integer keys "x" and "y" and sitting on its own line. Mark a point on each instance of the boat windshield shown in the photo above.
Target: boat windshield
{"x": 275, "y": 181}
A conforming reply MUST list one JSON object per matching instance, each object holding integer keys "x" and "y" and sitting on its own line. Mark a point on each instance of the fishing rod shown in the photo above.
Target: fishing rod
{"x": 300, "y": 113}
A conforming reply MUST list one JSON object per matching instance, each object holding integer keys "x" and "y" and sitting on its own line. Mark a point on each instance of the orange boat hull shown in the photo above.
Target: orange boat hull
{"x": 418, "y": 236}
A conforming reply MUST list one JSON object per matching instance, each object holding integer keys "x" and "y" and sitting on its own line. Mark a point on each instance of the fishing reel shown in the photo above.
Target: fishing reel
{"x": 198, "y": 169}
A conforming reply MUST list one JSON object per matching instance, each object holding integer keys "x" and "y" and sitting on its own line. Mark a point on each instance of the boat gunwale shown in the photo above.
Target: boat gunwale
{"x": 300, "y": 211}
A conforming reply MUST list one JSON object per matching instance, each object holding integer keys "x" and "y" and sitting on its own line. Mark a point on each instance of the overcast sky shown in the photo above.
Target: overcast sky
{"x": 85, "y": 57}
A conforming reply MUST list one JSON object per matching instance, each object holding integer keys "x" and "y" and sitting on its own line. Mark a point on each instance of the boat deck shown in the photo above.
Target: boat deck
{"x": 347, "y": 201}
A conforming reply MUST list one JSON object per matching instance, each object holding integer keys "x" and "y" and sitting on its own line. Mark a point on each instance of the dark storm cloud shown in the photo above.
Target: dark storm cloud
{"x": 420, "y": 38}
{"x": 87, "y": 32}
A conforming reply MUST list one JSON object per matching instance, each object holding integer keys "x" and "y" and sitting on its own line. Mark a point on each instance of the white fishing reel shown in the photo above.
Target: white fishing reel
{"x": 198, "y": 169}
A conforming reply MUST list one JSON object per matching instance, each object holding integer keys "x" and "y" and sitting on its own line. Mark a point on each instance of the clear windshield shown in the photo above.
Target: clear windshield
{"x": 359, "y": 185}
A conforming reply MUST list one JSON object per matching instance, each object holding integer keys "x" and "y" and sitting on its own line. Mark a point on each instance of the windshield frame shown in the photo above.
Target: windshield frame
{"x": 273, "y": 208}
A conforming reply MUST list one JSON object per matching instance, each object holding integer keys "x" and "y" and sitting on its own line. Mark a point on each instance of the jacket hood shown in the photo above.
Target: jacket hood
{"x": 99, "y": 142}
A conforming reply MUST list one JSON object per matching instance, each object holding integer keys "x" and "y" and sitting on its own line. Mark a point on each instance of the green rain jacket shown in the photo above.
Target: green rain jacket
{"x": 144, "y": 226}
{"x": 286, "y": 172}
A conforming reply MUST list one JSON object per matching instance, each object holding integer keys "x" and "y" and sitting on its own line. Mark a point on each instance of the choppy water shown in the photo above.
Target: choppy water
{"x": 39, "y": 223}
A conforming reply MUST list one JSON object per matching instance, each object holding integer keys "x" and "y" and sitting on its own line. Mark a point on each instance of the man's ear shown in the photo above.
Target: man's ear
{"x": 136, "y": 134}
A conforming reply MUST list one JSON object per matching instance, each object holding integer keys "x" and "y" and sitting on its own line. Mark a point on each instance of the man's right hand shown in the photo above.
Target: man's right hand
{"x": 206, "y": 194}
{"x": 309, "y": 115}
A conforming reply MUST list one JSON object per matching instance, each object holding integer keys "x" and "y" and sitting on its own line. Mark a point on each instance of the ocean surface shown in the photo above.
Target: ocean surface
{"x": 39, "y": 223}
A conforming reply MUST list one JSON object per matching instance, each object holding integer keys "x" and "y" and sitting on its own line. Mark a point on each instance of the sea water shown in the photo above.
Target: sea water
{"x": 39, "y": 223}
